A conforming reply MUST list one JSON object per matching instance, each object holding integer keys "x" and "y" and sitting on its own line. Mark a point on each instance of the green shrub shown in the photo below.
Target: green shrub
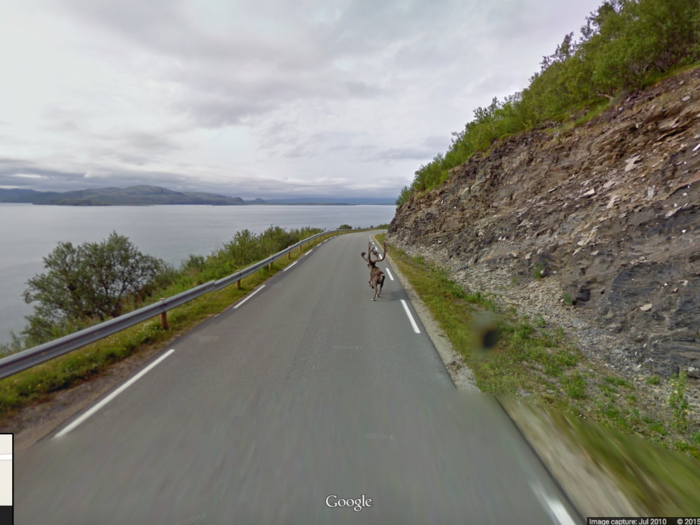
{"x": 538, "y": 272}
{"x": 678, "y": 402}
{"x": 575, "y": 386}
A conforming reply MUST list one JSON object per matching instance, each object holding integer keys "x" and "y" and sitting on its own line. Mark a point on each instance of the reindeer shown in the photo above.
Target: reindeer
{"x": 376, "y": 276}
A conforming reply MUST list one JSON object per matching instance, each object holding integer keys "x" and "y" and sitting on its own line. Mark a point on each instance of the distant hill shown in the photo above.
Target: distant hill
{"x": 14, "y": 194}
{"x": 332, "y": 201}
{"x": 152, "y": 195}
{"x": 132, "y": 196}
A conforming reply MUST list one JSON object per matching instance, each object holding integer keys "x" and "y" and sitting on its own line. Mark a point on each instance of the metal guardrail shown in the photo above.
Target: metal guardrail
{"x": 20, "y": 361}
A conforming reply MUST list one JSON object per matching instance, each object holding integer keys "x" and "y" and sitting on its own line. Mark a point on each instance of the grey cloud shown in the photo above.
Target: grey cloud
{"x": 285, "y": 140}
{"x": 365, "y": 26}
{"x": 242, "y": 74}
{"x": 271, "y": 189}
{"x": 430, "y": 147}
{"x": 64, "y": 119}
{"x": 90, "y": 176}
{"x": 147, "y": 141}
{"x": 213, "y": 99}
{"x": 436, "y": 142}
{"x": 283, "y": 71}
{"x": 404, "y": 154}
{"x": 249, "y": 187}
{"x": 132, "y": 146}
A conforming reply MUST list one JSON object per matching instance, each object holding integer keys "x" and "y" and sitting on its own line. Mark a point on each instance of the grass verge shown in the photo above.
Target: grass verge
{"x": 598, "y": 410}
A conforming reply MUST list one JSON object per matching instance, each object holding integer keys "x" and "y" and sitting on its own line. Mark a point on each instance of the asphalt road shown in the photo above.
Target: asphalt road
{"x": 305, "y": 391}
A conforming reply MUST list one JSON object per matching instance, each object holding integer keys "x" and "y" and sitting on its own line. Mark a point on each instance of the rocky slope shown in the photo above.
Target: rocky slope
{"x": 596, "y": 228}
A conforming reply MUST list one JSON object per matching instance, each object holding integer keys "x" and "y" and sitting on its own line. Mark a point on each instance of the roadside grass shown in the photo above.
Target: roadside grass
{"x": 528, "y": 359}
{"x": 655, "y": 480}
{"x": 596, "y": 411}
{"x": 537, "y": 362}
{"x": 37, "y": 384}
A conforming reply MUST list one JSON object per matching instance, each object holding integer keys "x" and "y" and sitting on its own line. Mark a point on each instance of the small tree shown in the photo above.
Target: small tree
{"x": 88, "y": 282}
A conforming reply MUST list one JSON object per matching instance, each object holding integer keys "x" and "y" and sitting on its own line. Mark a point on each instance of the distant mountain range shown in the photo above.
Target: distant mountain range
{"x": 151, "y": 195}
{"x": 133, "y": 196}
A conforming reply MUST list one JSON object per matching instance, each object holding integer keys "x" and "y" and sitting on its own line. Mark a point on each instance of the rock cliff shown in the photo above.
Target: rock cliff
{"x": 596, "y": 228}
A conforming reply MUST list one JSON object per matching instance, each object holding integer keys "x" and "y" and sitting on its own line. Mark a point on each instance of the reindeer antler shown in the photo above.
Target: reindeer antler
{"x": 383, "y": 255}
{"x": 367, "y": 259}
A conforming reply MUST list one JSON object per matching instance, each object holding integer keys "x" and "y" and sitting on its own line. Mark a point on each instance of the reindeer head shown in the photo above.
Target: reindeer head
{"x": 372, "y": 251}
{"x": 376, "y": 254}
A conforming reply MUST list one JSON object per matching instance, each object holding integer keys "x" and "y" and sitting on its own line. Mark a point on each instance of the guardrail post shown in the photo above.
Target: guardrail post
{"x": 269, "y": 267}
{"x": 238, "y": 284}
{"x": 164, "y": 319}
{"x": 289, "y": 255}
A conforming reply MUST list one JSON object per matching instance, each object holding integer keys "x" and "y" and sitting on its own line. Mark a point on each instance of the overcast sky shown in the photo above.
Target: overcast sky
{"x": 256, "y": 98}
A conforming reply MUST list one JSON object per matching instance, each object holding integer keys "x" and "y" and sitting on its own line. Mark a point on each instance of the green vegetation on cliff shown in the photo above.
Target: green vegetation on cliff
{"x": 624, "y": 45}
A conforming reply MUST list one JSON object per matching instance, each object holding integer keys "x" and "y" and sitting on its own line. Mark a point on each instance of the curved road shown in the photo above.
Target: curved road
{"x": 306, "y": 392}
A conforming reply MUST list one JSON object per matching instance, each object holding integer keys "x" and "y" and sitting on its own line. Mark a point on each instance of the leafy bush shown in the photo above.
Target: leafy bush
{"x": 678, "y": 402}
{"x": 90, "y": 282}
{"x": 247, "y": 248}
{"x": 624, "y": 44}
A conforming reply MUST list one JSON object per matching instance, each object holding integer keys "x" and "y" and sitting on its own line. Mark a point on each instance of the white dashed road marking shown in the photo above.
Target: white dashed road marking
{"x": 111, "y": 396}
{"x": 288, "y": 267}
{"x": 410, "y": 317}
{"x": 556, "y": 508}
{"x": 251, "y": 295}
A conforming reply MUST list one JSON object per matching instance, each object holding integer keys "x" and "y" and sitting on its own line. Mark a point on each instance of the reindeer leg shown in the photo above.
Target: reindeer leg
{"x": 381, "y": 285}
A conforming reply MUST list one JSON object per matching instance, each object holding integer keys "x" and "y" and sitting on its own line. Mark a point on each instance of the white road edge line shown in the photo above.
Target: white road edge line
{"x": 114, "y": 394}
{"x": 249, "y": 296}
{"x": 5, "y": 457}
{"x": 554, "y": 507}
{"x": 390, "y": 276}
{"x": 410, "y": 317}
{"x": 307, "y": 253}
{"x": 288, "y": 267}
